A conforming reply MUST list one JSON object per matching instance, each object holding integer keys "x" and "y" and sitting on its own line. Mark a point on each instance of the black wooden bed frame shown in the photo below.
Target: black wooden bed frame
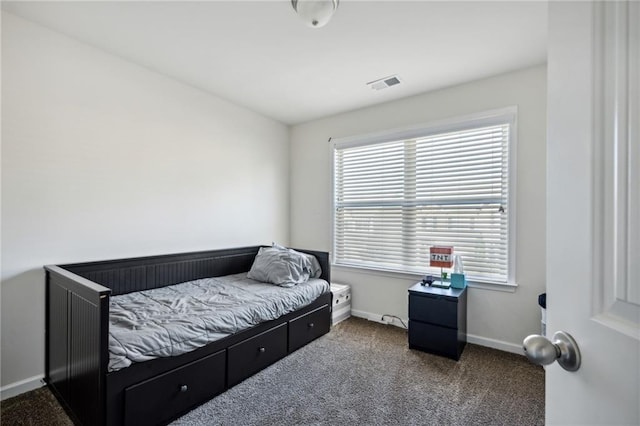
{"x": 160, "y": 390}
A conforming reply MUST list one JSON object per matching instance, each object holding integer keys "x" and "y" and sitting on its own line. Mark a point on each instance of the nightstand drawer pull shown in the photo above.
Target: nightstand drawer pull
{"x": 184, "y": 388}
{"x": 311, "y": 325}
{"x": 262, "y": 349}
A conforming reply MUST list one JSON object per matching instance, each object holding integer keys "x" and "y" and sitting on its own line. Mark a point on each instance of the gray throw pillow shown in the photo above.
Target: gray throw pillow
{"x": 315, "y": 270}
{"x": 285, "y": 268}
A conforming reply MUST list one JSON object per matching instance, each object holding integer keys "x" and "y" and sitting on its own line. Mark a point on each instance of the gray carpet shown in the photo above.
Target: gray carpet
{"x": 364, "y": 373}
{"x": 38, "y": 407}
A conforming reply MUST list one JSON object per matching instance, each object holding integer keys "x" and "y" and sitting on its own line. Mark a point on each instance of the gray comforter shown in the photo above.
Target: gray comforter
{"x": 173, "y": 320}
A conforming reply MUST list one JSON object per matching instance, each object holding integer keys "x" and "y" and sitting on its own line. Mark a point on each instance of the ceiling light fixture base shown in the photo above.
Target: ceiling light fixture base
{"x": 315, "y": 13}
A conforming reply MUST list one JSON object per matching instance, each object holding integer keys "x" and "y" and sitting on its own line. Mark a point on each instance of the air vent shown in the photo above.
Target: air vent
{"x": 385, "y": 82}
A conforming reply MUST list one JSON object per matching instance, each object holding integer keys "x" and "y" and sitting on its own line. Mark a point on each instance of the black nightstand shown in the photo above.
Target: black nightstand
{"x": 438, "y": 320}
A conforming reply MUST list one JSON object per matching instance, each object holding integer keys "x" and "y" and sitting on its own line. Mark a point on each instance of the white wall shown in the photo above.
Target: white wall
{"x": 495, "y": 318}
{"x": 104, "y": 159}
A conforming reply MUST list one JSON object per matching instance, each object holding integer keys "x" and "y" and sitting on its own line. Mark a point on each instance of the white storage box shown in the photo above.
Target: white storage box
{"x": 341, "y": 302}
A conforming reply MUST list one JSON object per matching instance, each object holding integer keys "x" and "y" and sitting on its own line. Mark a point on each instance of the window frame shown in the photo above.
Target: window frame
{"x": 507, "y": 115}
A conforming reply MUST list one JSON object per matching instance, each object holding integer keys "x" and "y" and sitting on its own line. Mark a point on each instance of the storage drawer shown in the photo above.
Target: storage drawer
{"x": 433, "y": 309}
{"x": 340, "y": 312}
{"x": 308, "y": 327}
{"x": 252, "y": 355}
{"x": 341, "y": 293}
{"x": 433, "y": 338}
{"x": 168, "y": 395}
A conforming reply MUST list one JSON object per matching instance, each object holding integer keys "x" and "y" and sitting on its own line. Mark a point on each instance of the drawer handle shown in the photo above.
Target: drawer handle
{"x": 311, "y": 325}
{"x": 262, "y": 350}
{"x": 184, "y": 388}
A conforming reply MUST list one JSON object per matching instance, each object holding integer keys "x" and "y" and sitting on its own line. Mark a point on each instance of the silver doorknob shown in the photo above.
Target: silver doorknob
{"x": 564, "y": 348}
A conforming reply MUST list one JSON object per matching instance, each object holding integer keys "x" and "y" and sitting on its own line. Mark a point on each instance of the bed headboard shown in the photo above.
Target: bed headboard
{"x": 143, "y": 273}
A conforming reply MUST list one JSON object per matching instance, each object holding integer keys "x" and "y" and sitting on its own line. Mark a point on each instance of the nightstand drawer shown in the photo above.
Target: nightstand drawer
{"x": 433, "y": 309}
{"x": 432, "y": 338}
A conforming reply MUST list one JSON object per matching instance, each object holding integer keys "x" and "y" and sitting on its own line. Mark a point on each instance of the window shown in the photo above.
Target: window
{"x": 398, "y": 194}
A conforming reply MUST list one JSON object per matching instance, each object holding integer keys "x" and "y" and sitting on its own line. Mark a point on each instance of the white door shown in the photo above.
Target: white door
{"x": 593, "y": 212}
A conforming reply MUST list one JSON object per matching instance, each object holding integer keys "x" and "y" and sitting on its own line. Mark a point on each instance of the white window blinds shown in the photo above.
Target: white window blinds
{"x": 394, "y": 200}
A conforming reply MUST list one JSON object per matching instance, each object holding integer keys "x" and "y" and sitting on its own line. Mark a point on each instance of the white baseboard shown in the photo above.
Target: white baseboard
{"x": 26, "y": 385}
{"x": 378, "y": 318}
{"x": 476, "y": 340}
{"x": 495, "y": 344}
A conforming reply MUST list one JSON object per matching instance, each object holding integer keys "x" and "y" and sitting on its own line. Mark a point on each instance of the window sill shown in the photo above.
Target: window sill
{"x": 506, "y": 288}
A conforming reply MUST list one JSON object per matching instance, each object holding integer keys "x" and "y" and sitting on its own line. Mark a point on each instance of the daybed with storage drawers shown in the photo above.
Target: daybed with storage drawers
{"x": 155, "y": 391}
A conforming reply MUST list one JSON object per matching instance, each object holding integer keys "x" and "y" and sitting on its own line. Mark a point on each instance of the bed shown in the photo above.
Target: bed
{"x": 102, "y": 381}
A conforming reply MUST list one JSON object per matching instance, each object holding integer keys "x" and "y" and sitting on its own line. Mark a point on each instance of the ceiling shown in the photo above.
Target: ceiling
{"x": 260, "y": 55}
